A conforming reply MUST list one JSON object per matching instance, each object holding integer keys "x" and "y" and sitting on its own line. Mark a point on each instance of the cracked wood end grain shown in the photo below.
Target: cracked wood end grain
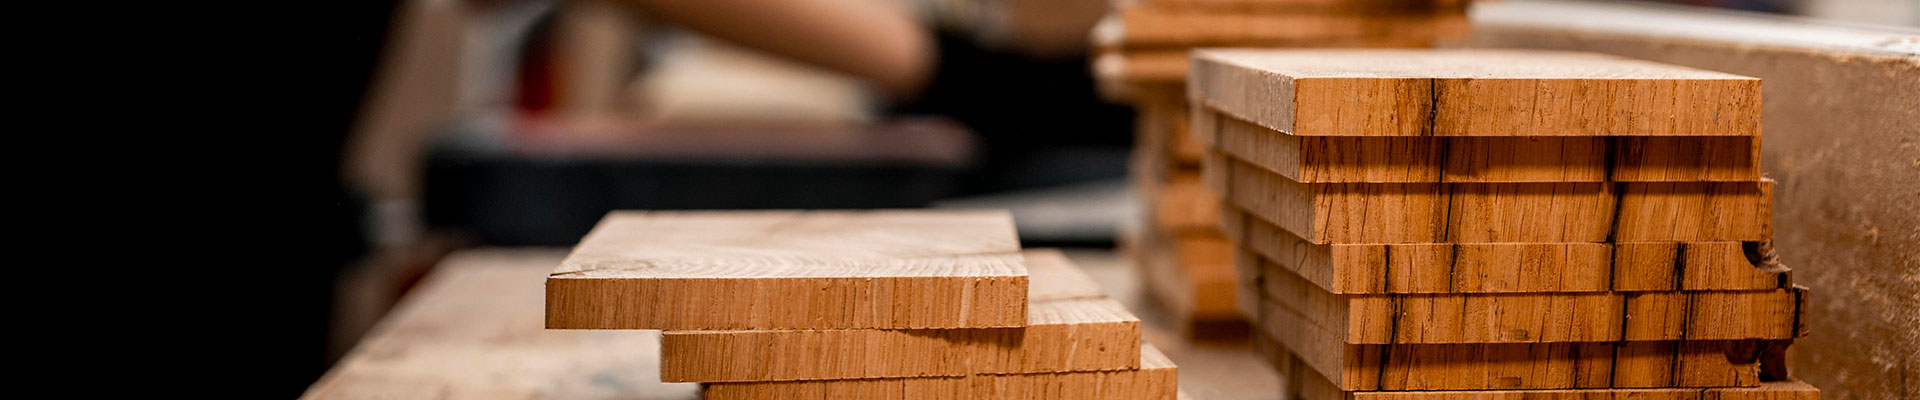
{"x": 1071, "y": 326}
{"x": 1156, "y": 379}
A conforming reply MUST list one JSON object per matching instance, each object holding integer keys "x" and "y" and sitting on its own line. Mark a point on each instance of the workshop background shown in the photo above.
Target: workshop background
{"x": 429, "y": 126}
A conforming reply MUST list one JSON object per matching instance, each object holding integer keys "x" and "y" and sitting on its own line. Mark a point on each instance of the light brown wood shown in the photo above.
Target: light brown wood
{"x": 1536, "y": 317}
{"x": 1307, "y": 6}
{"x": 1205, "y": 124}
{"x": 1316, "y": 159}
{"x": 1110, "y": 35}
{"x": 1155, "y": 27}
{"x": 1472, "y": 93}
{"x": 472, "y": 329}
{"x": 1191, "y": 276}
{"x": 1841, "y": 114}
{"x": 792, "y": 270}
{"x": 1511, "y": 267}
{"x": 1247, "y": 268}
{"x": 1164, "y": 110}
{"x": 1307, "y": 385}
{"x": 1482, "y": 366}
{"x": 1155, "y": 379}
{"x": 1161, "y": 115}
{"x": 1786, "y": 390}
{"x": 1185, "y": 206}
{"x": 1504, "y": 212}
{"x": 1072, "y": 326}
{"x": 1685, "y": 158}
{"x": 1695, "y": 211}
{"x": 1052, "y": 276}
{"x": 1184, "y": 260}
{"x": 1216, "y": 174}
{"x": 1116, "y": 73}
{"x": 1160, "y": 124}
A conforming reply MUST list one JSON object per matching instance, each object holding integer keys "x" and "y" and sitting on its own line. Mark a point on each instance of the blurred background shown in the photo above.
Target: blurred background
{"x": 429, "y": 126}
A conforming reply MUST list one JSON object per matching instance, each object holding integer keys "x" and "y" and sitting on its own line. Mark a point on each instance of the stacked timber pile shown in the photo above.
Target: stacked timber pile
{"x": 1142, "y": 58}
{"x": 1422, "y": 224}
{"x": 857, "y": 305}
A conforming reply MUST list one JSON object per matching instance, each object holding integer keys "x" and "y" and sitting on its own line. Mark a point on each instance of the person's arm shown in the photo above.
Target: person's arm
{"x": 878, "y": 40}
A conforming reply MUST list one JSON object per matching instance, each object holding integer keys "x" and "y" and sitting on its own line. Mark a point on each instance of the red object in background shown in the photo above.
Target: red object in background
{"x": 535, "y": 82}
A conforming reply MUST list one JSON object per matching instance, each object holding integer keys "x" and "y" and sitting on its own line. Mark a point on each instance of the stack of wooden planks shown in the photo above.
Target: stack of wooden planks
{"x": 1147, "y": 41}
{"x": 1142, "y": 51}
{"x": 878, "y": 304}
{"x": 1428, "y": 224}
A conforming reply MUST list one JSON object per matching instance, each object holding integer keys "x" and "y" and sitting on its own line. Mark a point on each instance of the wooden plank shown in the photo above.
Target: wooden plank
{"x": 1142, "y": 66}
{"x": 1156, "y": 27}
{"x": 1317, "y": 159}
{"x": 792, "y": 270}
{"x": 1247, "y": 267}
{"x": 1184, "y": 205}
{"x": 1536, "y": 317}
{"x": 1500, "y": 366}
{"x": 1215, "y": 172}
{"x": 1783, "y": 390}
{"x": 1117, "y": 74}
{"x": 1155, "y": 379}
{"x": 1504, "y": 212}
{"x": 1054, "y": 277}
{"x": 1695, "y": 211}
{"x": 1307, "y": 385}
{"x": 1841, "y": 114}
{"x": 1307, "y": 6}
{"x": 1512, "y": 267}
{"x": 1110, "y": 36}
{"x": 1192, "y": 277}
{"x": 1161, "y": 112}
{"x": 1205, "y": 125}
{"x": 1072, "y": 326}
{"x": 1187, "y": 149}
{"x": 1158, "y": 126}
{"x": 472, "y": 330}
{"x": 1207, "y": 262}
{"x": 1150, "y": 165}
{"x": 1472, "y": 93}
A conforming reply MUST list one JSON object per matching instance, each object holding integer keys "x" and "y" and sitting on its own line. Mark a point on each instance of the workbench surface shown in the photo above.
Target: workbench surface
{"x": 473, "y": 329}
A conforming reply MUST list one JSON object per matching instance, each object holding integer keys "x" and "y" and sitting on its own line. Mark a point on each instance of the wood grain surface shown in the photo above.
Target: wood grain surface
{"x": 1472, "y": 93}
{"x": 1155, "y": 379}
{"x": 1191, "y": 276}
{"x": 1842, "y": 131}
{"x": 473, "y": 330}
{"x": 1306, "y": 6}
{"x": 1160, "y": 27}
{"x": 1335, "y": 159}
{"x": 1536, "y": 317}
{"x": 1183, "y": 205}
{"x": 1481, "y": 366}
{"x": 1504, "y": 212}
{"x": 792, "y": 270}
{"x": 1304, "y": 384}
{"x": 1072, "y": 326}
{"x": 1512, "y": 267}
